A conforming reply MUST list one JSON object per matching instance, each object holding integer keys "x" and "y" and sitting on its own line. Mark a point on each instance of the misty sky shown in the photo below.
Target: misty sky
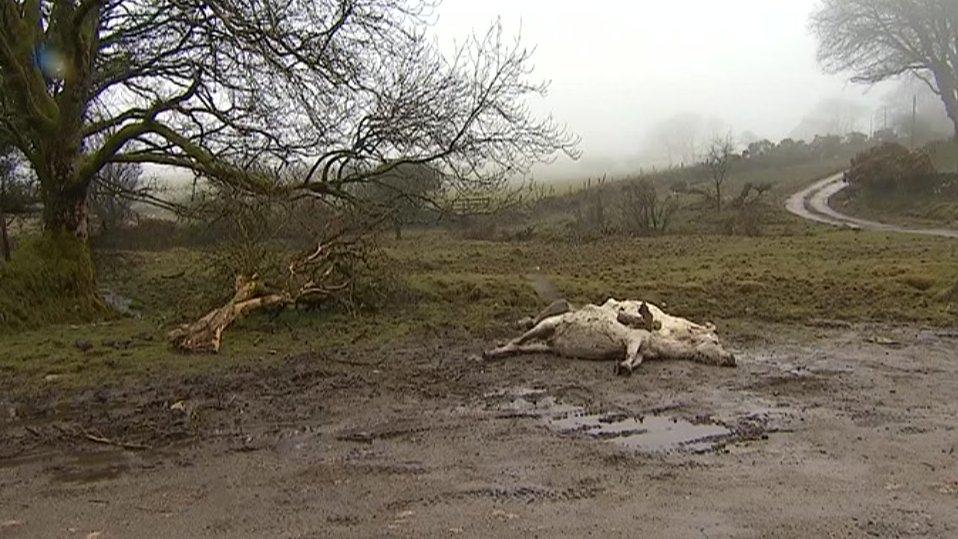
{"x": 619, "y": 66}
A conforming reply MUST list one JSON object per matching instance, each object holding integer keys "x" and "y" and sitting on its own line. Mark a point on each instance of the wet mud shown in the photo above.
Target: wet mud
{"x": 818, "y": 432}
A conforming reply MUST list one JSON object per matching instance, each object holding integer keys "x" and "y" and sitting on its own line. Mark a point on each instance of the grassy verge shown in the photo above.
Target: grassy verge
{"x": 913, "y": 210}
{"x": 692, "y": 218}
{"x": 470, "y": 288}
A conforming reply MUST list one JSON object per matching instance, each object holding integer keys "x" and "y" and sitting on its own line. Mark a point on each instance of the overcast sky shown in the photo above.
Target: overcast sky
{"x": 619, "y": 66}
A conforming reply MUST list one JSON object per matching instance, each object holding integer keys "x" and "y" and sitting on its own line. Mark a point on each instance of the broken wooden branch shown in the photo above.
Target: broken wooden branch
{"x": 106, "y": 441}
{"x": 314, "y": 276}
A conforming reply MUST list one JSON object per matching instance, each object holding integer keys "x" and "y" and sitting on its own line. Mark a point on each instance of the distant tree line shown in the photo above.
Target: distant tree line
{"x": 822, "y": 147}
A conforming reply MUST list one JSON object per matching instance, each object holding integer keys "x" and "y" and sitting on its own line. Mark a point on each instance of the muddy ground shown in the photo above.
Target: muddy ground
{"x": 841, "y": 431}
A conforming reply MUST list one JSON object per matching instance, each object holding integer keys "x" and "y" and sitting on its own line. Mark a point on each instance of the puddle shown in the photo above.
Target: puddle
{"x": 653, "y": 433}
{"x": 650, "y": 434}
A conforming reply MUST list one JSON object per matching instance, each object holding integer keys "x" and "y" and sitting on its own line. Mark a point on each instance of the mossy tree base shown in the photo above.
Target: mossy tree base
{"x": 49, "y": 280}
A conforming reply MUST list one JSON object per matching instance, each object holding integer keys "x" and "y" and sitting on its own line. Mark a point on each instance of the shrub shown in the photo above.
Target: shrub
{"x": 478, "y": 228}
{"x": 151, "y": 234}
{"x": 891, "y": 168}
{"x": 750, "y": 211}
{"x": 644, "y": 213}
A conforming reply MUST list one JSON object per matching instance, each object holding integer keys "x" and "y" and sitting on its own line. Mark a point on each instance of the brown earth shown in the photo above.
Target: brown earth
{"x": 848, "y": 431}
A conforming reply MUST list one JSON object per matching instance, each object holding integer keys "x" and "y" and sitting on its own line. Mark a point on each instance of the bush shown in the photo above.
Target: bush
{"x": 892, "y": 168}
{"x": 644, "y": 212}
{"x": 478, "y": 228}
{"x": 150, "y": 234}
{"x": 750, "y": 211}
{"x": 49, "y": 280}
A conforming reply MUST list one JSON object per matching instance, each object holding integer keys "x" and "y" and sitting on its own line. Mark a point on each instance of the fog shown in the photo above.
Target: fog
{"x": 619, "y": 68}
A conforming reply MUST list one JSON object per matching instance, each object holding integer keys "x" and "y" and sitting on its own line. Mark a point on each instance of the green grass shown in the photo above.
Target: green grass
{"x": 822, "y": 274}
{"x": 478, "y": 289}
{"x": 693, "y": 218}
{"x": 432, "y": 284}
{"x": 177, "y": 285}
{"x": 693, "y": 215}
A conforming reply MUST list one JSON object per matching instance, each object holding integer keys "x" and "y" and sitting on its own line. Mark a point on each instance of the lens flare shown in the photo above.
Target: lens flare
{"x": 52, "y": 63}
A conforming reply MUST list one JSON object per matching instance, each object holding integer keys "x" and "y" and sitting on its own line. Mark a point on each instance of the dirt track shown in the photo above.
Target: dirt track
{"x": 812, "y": 203}
{"x": 843, "y": 432}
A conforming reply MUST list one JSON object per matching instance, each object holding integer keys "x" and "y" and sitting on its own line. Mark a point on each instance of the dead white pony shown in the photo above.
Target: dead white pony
{"x": 628, "y": 332}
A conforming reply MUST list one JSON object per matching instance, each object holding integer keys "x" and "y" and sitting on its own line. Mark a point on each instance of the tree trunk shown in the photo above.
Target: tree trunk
{"x": 62, "y": 192}
{"x": 4, "y": 237}
{"x": 950, "y": 97}
{"x": 65, "y": 209}
{"x": 951, "y": 108}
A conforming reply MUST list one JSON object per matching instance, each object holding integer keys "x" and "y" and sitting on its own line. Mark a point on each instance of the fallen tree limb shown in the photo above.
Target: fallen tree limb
{"x": 313, "y": 276}
{"x": 206, "y": 334}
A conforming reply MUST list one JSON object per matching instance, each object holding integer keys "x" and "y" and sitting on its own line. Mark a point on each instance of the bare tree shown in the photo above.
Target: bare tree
{"x": 718, "y": 163}
{"x": 306, "y": 98}
{"x": 749, "y": 208}
{"x": 644, "y": 211}
{"x": 876, "y": 40}
{"x": 677, "y": 137}
{"x": 112, "y": 193}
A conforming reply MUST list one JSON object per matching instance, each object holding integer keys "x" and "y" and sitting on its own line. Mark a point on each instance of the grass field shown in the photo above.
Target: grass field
{"x": 458, "y": 287}
{"x": 436, "y": 284}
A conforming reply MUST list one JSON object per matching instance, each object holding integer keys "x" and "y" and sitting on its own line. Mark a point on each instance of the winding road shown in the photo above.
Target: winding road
{"x": 812, "y": 204}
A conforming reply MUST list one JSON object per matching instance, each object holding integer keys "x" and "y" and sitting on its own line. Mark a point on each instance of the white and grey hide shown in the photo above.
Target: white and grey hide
{"x": 628, "y": 332}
